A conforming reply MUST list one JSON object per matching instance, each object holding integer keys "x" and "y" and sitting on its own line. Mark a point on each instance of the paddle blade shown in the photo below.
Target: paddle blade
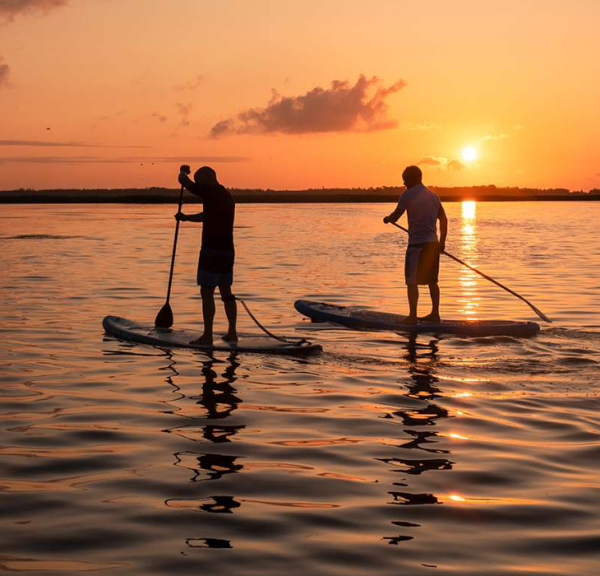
{"x": 540, "y": 313}
{"x": 164, "y": 319}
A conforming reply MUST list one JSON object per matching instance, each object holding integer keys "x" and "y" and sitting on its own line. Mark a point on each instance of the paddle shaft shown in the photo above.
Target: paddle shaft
{"x": 174, "y": 248}
{"x": 538, "y": 312}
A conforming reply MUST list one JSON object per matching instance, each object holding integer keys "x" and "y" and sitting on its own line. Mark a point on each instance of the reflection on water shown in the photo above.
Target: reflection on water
{"x": 468, "y": 209}
{"x": 386, "y": 455}
{"x": 468, "y": 280}
{"x": 423, "y": 386}
{"x": 218, "y": 401}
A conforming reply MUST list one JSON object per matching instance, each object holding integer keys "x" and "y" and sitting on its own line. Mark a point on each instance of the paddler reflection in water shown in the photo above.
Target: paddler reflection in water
{"x": 422, "y": 261}
{"x": 217, "y": 254}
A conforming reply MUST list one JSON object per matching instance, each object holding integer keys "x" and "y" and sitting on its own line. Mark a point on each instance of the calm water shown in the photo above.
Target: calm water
{"x": 381, "y": 456}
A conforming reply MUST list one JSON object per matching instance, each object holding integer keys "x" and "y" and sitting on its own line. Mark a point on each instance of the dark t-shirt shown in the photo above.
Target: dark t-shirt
{"x": 219, "y": 214}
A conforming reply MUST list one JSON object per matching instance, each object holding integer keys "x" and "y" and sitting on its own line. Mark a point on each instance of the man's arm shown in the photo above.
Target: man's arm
{"x": 443, "y": 228}
{"x": 397, "y": 213}
{"x": 189, "y": 217}
{"x": 189, "y": 184}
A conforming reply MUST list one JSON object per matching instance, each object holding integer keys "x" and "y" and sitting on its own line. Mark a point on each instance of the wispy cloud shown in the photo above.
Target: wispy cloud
{"x": 455, "y": 165}
{"x": 433, "y": 161}
{"x": 4, "y": 73}
{"x": 37, "y": 143}
{"x": 184, "y": 111}
{"x": 9, "y": 9}
{"x": 191, "y": 85}
{"x": 120, "y": 160}
{"x": 410, "y": 126}
{"x": 112, "y": 116}
{"x": 340, "y": 108}
{"x": 160, "y": 117}
{"x": 493, "y": 137}
{"x": 441, "y": 162}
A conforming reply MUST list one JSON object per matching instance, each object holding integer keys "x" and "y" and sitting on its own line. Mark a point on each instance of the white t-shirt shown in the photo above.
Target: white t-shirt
{"x": 422, "y": 207}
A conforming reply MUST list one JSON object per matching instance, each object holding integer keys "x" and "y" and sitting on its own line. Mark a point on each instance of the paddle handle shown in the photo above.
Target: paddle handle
{"x": 536, "y": 310}
{"x": 174, "y": 247}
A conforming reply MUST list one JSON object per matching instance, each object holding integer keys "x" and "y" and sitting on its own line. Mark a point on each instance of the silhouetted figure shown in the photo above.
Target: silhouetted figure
{"x": 422, "y": 261}
{"x": 217, "y": 254}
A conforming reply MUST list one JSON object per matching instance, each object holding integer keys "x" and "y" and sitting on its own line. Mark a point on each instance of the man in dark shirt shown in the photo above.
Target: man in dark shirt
{"x": 217, "y": 254}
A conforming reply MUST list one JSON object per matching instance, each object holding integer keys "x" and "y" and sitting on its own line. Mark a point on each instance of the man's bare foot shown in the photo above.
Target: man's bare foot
{"x": 204, "y": 340}
{"x": 409, "y": 320}
{"x": 430, "y": 318}
{"x": 230, "y": 337}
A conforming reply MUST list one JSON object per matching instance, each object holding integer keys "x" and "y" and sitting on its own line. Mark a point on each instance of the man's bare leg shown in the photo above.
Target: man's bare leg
{"x": 208, "y": 315}
{"x": 434, "y": 292}
{"x": 413, "y": 300}
{"x": 231, "y": 311}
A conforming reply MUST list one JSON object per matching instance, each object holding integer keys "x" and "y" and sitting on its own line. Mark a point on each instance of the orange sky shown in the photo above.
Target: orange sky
{"x": 299, "y": 94}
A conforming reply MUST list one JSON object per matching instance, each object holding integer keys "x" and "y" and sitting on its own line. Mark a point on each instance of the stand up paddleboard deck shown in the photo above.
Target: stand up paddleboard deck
{"x": 169, "y": 338}
{"x": 362, "y": 319}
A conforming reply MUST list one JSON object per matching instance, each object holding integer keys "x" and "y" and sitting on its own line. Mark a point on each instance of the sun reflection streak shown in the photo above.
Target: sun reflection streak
{"x": 468, "y": 279}
{"x": 456, "y": 498}
{"x": 487, "y": 501}
{"x": 457, "y": 436}
{"x": 469, "y": 209}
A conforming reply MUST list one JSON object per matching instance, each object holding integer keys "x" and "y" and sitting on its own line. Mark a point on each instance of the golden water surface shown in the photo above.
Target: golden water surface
{"x": 384, "y": 455}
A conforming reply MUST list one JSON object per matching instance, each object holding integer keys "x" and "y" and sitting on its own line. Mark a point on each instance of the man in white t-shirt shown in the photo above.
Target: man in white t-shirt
{"x": 422, "y": 262}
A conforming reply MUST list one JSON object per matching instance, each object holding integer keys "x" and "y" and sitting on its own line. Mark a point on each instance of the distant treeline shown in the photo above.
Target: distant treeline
{"x": 381, "y": 194}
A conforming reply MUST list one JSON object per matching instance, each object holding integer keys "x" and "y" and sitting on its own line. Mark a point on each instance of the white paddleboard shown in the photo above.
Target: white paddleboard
{"x": 170, "y": 338}
{"x": 362, "y": 319}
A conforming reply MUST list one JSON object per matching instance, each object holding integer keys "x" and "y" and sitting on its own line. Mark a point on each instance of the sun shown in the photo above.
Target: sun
{"x": 469, "y": 154}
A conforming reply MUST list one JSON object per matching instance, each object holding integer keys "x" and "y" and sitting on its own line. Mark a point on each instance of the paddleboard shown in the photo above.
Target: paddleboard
{"x": 363, "y": 319}
{"x": 170, "y": 338}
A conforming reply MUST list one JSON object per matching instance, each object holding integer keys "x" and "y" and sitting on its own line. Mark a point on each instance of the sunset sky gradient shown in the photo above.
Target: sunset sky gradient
{"x": 119, "y": 93}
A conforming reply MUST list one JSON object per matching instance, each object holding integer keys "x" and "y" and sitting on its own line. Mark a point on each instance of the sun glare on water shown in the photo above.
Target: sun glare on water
{"x": 468, "y": 210}
{"x": 469, "y": 154}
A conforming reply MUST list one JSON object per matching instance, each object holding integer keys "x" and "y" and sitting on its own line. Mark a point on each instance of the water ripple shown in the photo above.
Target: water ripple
{"x": 385, "y": 455}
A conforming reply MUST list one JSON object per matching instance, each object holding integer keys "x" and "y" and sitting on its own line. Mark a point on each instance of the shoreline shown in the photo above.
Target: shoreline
{"x": 168, "y": 196}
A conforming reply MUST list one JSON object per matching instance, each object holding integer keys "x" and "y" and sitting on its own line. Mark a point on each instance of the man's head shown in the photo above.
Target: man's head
{"x": 205, "y": 176}
{"x": 412, "y": 176}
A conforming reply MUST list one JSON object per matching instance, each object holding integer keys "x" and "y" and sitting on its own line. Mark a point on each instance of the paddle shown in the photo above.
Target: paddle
{"x": 164, "y": 319}
{"x": 536, "y": 310}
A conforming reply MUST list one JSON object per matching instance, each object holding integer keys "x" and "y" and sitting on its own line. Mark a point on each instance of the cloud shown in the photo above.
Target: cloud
{"x": 340, "y": 108}
{"x": 432, "y": 161}
{"x": 192, "y": 85}
{"x": 455, "y": 165}
{"x": 184, "y": 111}
{"x": 410, "y": 126}
{"x": 62, "y": 144}
{"x": 9, "y": 9}
{"x": 107, "y": 117}
{"x": 493, "y": 137}
{"x": 441, "y": 163}
{"x": 121, "y": 160}
{"x": 4, "y": 74}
